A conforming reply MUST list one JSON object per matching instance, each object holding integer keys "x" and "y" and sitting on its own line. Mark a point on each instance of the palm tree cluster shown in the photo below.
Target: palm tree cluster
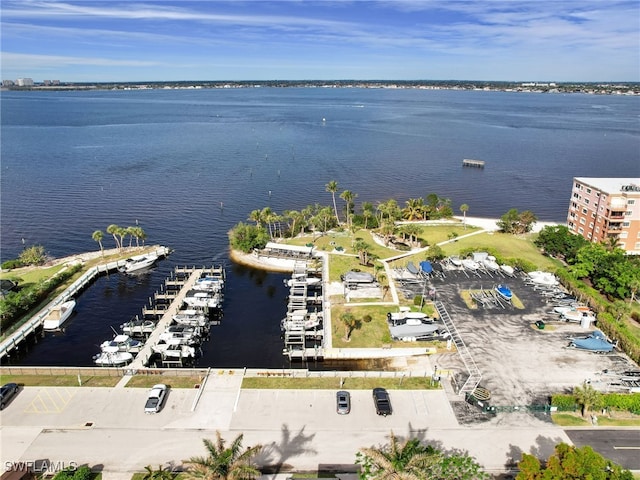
{"x": 119, "y": 235}
{"x": 412, "y": 460}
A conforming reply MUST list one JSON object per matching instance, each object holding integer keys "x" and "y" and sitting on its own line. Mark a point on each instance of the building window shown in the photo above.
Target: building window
{"x": 598, "y": 194}
{"x": 593, "y": 214}
{"x": 591, "y": 225}
{"x": 597, "y": 229}
{"x": 575, "y": 195}
{"x": 583, "y": 221}
{"x": 588, "y": 190}
{"x": 581, "y": 230}
{"x": 631, "y": 202}
{"x": 585, "y": 211}
{"x": 588, "y": 235}
{"x": 637, "y": 247}
{"x": 624, "y": 234}
{"x": 628, "y": 213}
{"x": 586, "y": 201}
{"x": 625, "y": 224}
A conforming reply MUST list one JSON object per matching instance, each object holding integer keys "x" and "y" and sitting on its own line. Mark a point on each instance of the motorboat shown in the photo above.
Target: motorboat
{"x": 508, "y": 270}
{"x": 113, "y": 358}
{"x": 594, "y": 342}
{"x": 426, "y": 268}
{"x": 201, "y": 299}
{"x": 422, "y": 331}
{"x": 543, "y": 278}
{"x": 139, "y": 262}
{"x": 190, "y": 317}
{"x": 455, "y": 261}
{"x": 504, "y": 291}
{"x": 174, "y": 351}
{"x": 490, "y": 263}
{"x": 405, "y": 315}
{"x": 138, "y": 327}
{"x": 180, "y": 335}
{"x": 470, "y": 264}
{"x": 58, "y": 314}
{"x": 301, "y": 320}
{"x": 302, "y": 279}
{"x": 412, "y": 268}
{"x": 122, "y": 343}
{"x": 579, "y": 316}
{"x": 562, "y": 309}
{"x": 209, "y": 284}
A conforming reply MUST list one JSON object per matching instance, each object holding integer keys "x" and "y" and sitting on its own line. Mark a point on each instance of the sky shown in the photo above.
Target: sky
{"x": 173, "y": 40}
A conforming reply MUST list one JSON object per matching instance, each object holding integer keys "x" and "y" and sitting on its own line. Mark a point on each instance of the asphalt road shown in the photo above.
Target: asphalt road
{"x": 299, "y": 429}
{"x": 620, "y": 445}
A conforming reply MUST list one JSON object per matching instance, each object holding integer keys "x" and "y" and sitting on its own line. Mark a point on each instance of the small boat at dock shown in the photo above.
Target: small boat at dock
{"x": 122, "y": 343}
{"x": 113, "y": 358}
{"x": 138, "y": 327}
{"x": 57, "y": 315}
{"x": 139, "y": 262}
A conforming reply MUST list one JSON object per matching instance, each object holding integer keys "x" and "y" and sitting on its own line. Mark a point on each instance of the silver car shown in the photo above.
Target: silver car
{"x": 156, "y": 398}
{"x": 343, "y": 402}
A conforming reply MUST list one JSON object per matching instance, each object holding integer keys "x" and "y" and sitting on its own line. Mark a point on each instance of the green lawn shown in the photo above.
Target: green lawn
{"x": 148, "y": 381}
{"x": 334, "y": 383}
{"x": 60, "y": 380}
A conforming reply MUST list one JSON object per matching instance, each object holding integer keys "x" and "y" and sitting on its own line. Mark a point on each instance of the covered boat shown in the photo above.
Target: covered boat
{"x": 57, "y": 315}
{"x": 358, "y": 278}
{"x": 595, "y": 342}
{"x": 426, "y": 267}
{"x": 508, "y": 270}
{"x": 411, "y": 332}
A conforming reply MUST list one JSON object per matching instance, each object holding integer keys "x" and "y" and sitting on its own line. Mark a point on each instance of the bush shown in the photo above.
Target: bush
{"x": 564, "y": 402}
{"x": 11, "y": 264}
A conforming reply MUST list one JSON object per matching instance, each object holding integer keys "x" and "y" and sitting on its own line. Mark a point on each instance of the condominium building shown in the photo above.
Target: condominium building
{"x": 606, "y": 208}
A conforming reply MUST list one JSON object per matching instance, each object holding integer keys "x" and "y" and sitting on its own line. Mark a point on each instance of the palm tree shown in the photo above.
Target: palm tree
{"x": 157, "y": 474}
{"x": 414, "y": 209}
{"x": 256, "y": 216}
{"x": 348, "y": 196}
{"x": 363, "y": 250}
{"x": 113, "y": 229}
{"x": 367, "y": 212}
{"x": 267, "y": 216}
{"x": 98, "y": 236}
{"x": 402, "y": 461}
{"x": 464, "y": 208}
{"x": 587, "y": 397}
{"x": 224, "y": 463}
{"x": 350, "y": 324}
{"x": 332, "y": 187}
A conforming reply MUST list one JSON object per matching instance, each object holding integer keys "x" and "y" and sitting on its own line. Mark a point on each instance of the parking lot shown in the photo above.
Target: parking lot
{"x": 520, "y": 363}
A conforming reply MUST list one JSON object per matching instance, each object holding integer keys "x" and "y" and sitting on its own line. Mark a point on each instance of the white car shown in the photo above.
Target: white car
{"x": 156, "y": 398}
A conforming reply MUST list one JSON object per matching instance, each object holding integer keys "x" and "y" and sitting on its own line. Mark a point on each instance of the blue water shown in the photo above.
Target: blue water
{"x": 187, "y": 165}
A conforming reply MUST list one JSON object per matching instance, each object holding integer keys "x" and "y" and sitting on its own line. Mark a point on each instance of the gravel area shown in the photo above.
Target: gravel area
{"x": 521, "y": 364}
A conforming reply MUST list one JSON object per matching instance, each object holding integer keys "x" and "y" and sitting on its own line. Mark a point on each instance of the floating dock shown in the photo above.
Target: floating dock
{"x": 473, "y": 163}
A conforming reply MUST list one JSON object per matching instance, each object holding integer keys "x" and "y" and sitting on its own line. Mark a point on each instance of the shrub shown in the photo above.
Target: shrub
{"x": 10, "y": 264}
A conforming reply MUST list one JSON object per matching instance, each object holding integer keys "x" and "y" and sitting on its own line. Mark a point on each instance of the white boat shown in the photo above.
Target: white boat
{"x": 122, "y": 343}
{"x": 405, "y": 315}
{"x": 562, "y": 309}
{"x": 56, "y": 316}
{"x": 301, "y": 320}
{"x": 201, "y": 299}
{"x": 209, "y": 284}
{"x": 579, "y": 316}
{"x": 180, "y": 335}
{"x": 491, "y": 264}
{"x": 138, "y": 262}
{"x": 543, "y": 278}
{"x": 507, "y": 269}
{"x": 191, "y": 317}
{"x": 302, "y": 279}
{"x": 504, "y": 291}
{"x": 138, "y": 327}
{"x": 113, "y": 359}
{"x": 470, "y": 264}
{"x": 174, "y": 351}
{"x": 455, "y": 261}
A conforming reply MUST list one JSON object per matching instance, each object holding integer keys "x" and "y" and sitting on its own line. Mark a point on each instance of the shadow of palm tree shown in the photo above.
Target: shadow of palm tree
{"x": 274, "y": 456}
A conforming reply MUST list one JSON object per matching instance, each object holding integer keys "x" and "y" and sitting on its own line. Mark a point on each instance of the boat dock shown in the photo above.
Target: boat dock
{"x": 473, "y": 163}
{"x": 142, "y": 359}
{"x": 13, "y": 341}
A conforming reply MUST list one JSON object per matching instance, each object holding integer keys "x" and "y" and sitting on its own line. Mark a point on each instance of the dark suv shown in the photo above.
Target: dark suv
{"x": 7, "y": 392}
{"x": 382, "y": 402}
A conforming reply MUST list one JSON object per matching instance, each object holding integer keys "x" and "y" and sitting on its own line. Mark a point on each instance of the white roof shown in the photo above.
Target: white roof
{"x": 610, "y": 185}
{"x": 290, "y": 248}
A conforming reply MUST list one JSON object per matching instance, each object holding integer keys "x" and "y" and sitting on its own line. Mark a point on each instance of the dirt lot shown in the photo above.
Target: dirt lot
{"x": 520, "y": 363}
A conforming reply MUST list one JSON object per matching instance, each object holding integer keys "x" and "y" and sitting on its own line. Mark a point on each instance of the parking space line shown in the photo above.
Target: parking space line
{"x": 50, "y": 401}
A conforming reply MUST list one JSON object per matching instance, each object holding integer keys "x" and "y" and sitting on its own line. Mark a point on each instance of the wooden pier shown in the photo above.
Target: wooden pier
{"x": 473, "y": 163}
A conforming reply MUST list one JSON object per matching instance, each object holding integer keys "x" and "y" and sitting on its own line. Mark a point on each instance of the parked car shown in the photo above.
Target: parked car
{"x": 343, "y": 402}
{"x": 7, "y": 392}
{"x": 156, "y": 398}
{"x": 382, "y": 402}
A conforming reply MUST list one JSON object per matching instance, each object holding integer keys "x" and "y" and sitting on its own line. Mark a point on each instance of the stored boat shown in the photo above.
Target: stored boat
{"x": 202, "y": 299}
{"x": 209, "y": 284}
{"x": 507, "y": 269}
{"x": 113, "y": 359}
{"x": 504, "y": 291}
{"x": 56, "y": 316}
{"x": 490, "y": 263}
{"x": 191, "y": 317}
{"x": 138, "y": 262}
{"x": 470, "y": 264}
{"x": 595, "y": 342}
{"x": 174, "y": 351}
